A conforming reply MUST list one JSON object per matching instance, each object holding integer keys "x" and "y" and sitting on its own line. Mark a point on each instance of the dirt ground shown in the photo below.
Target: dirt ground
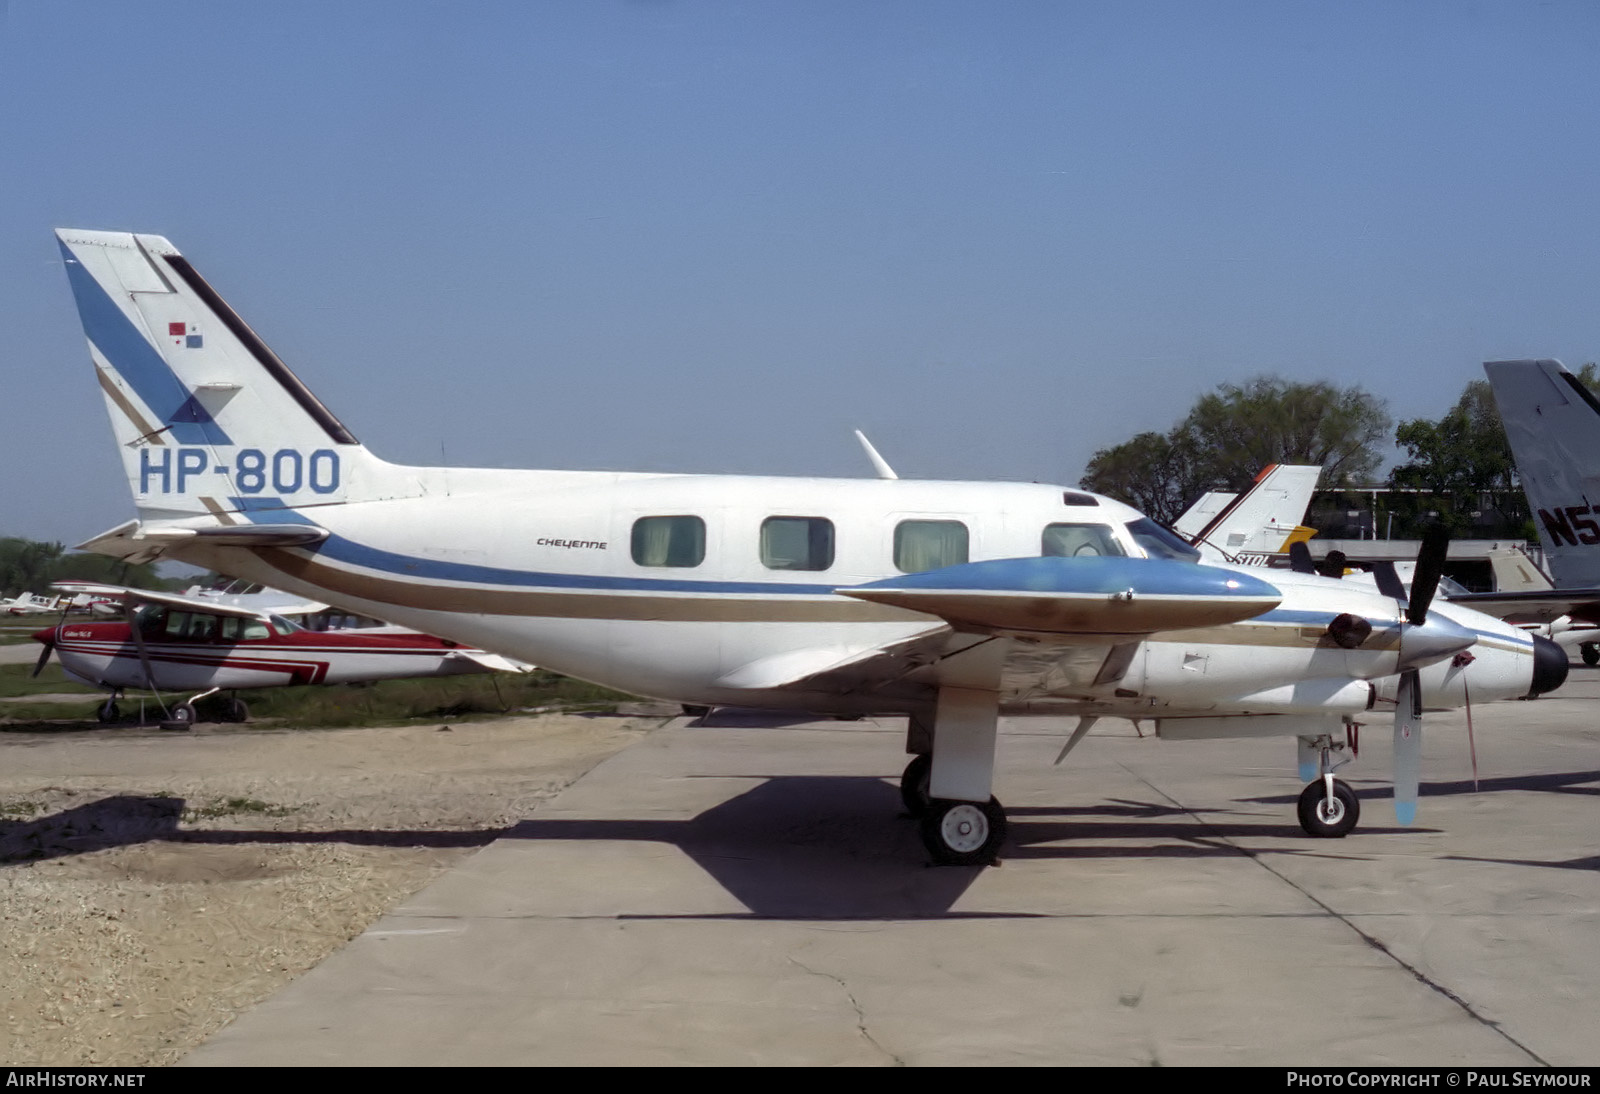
{"x": 153, "y": 885}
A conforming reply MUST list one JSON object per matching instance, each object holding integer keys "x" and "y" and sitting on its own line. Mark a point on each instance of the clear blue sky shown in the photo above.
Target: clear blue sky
{"x": 718, "y": 236}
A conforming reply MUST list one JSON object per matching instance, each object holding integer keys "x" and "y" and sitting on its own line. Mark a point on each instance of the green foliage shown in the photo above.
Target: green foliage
{"x": 1234, "y": 432}
{"x": 1157, "y": 475}
{"x": 18, "y": 680}
{"x": 29, "y": 566}
{"x": 1464, "y": 463}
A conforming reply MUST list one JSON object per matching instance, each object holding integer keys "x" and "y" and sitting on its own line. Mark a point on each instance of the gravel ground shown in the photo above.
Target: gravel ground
{"x": 153, "y": 885}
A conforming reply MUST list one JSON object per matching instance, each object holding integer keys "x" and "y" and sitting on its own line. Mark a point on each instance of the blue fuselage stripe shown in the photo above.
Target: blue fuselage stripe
{"x": 138, "y": 362}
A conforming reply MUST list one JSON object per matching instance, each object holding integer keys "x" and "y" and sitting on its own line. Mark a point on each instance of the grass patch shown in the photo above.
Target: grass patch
{"x": 18, "y": 680}
{"x": 19, "y": 809}
{"x": 458, "y": 698}
{"x": 229, "y": 807}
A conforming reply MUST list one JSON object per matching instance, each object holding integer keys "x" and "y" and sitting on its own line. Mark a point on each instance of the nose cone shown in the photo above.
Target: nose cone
{"x": 1549, "y": 666}
{"x": 1425, "y": 643}
{"x": 46, "y": 637}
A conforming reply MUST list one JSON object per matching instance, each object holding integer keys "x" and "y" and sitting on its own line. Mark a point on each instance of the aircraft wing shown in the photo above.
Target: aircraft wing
{"x": 133, "y": 598}
{"x": 1535, "y": 605}
{"x": 1082, "y": 599}
{"x": 1079, "y": 609}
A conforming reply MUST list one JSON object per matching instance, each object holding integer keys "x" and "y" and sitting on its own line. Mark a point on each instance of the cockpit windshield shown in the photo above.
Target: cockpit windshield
{"x": 1158, "y": 542}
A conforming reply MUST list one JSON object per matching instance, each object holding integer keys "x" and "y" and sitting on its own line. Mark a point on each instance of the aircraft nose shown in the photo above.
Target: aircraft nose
{"x": 1549, "y": 666}
{"x": 46, "y": 636}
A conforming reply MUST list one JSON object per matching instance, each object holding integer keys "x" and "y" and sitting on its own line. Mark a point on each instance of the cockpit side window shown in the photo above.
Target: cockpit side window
{"x": 1078, "y": 541}
{"x": 1158, "y": 542}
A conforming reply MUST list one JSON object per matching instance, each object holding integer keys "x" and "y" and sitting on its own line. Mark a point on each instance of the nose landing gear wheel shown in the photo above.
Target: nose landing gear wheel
{"x": 1328, "y": 819}
{"x": 108, "y": 712}
{"x": 1591, "y": 653}
{"x": 963, "y": 833}
{"x": 914, "y": 785}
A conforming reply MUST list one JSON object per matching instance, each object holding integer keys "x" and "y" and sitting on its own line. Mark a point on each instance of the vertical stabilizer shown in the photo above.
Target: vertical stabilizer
{"x": 1263, "y": 519}
{"x": 1553, "y": 424}
{"x": 1515, "y": 572}
{"x": 207, "y": 418}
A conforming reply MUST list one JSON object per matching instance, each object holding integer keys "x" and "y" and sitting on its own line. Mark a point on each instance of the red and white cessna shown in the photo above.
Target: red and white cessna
{"x": 177, "y": 642}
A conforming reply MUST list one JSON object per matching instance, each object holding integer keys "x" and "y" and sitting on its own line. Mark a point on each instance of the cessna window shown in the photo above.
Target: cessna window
{"x": 235, "y": 629}
{"x": 1077, "y": 540}
{"x": 929, "y": 545}
{"x": 796, "y": 543}
{"x": 1158, "y": 542}
{"x": 669, "y": 541}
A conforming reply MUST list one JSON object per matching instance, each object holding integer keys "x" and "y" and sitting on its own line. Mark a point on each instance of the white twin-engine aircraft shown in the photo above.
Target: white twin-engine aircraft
{"x": 950, "y": 602}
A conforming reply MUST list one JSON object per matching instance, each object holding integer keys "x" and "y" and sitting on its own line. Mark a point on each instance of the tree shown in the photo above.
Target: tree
{"x": 1464, "y": 460}
{"x": 1158, "y": 475}
{"x": 1232, "y": 433}
{"x": 29, "y": 566}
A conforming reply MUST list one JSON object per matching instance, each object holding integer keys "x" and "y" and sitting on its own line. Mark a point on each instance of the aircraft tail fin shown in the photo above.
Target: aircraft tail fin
{"x": 1265, "y": 517}
{"x": 1515, "y": 572}
{"x": 1553, "y": 423}
{"x": 207, "y": 418}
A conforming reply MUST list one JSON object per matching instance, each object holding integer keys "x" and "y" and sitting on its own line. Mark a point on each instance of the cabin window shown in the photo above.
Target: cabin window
{"x": 1078, "y": 540}
{"x": 669, "y": 541}
{"x": 235, "y": 629}
{"x": 797, "y": 543}
{"x": 929, "y": 545}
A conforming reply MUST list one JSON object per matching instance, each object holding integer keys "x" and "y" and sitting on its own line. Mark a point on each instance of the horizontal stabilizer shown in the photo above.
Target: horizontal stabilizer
{"x": 1091, "y": 597}
{"x": 137, "y": 542}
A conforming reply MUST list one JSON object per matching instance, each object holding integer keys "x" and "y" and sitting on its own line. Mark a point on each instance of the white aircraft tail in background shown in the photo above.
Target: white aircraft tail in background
{"x": 1553, "y": 424}
{"x": 1515, "y": 572}
{"x": 1257, "y": 524}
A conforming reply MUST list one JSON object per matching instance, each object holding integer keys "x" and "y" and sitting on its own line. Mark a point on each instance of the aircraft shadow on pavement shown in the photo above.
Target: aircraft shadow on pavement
{"x": 1557, "y": 782}
{"x": 128, "y": 819}
{"x": 839, "y": 847}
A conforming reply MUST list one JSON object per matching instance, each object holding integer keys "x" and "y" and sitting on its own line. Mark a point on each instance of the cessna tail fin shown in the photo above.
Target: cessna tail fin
{"x": 1553, "y": 424}
{"x": 207, "y": 418}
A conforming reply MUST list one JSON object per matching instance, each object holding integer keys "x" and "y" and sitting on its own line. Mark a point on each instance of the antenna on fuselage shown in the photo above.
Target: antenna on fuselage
{"x": 879, "y": 464}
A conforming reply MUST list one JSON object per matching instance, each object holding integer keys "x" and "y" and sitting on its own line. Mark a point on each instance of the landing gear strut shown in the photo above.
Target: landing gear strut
{"x": 1328, "y": 808}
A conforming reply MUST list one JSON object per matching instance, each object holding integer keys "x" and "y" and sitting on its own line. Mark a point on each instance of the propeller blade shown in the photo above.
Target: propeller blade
{"x": 1333, "y": 564}
{"x": 44, "y": 657}
{"x": 1407, "y": 746}
{"x": 1388, "y": 581}
{"x": 1430, "y": 566}
{"x": 1300, "y": 558}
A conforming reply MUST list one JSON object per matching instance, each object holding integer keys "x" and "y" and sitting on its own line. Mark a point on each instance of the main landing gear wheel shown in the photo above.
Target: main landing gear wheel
{"x": 108, "y": 712}
{"x": 1591, "y": 653}
{"x": 963, "y": 833}
{"x": 914, "y": 784}
{"x": 235, "y": 710}
{"x": 1329, "y": 819}
{"x": 180, "y": 717}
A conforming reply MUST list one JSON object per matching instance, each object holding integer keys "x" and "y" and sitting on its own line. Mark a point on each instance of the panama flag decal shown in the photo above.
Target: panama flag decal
{"x": 183, "y": 334}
